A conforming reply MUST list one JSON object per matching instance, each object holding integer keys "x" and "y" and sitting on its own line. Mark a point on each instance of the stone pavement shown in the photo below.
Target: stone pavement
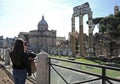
{"x": 6, "y": 75}
{"x": 4, "y": 78}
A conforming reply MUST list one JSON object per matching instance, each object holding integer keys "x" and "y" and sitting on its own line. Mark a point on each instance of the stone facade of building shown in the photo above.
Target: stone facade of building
{"x": 1, "y": 41}
{"x": 42, "y": 39}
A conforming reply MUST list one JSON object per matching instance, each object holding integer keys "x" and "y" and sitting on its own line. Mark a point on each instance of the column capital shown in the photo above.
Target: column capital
{"x": 90, "y": 15}
{"x": 81, "y": 16}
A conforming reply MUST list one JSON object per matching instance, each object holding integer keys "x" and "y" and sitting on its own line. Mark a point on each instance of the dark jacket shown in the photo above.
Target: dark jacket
{"x": 23, "y": 62}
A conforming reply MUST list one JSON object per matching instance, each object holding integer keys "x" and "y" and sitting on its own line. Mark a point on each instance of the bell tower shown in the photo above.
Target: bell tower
{"x": 116, "y": 8}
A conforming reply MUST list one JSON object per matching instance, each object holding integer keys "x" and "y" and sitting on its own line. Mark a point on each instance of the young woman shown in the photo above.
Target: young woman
{"x": 19, "y": 58}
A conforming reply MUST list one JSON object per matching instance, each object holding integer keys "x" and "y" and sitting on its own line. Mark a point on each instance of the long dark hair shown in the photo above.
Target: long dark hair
{"x": 18, "y": 52}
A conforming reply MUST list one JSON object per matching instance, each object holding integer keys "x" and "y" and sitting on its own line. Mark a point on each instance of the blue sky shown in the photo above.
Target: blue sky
{"x": 23, "y": 15}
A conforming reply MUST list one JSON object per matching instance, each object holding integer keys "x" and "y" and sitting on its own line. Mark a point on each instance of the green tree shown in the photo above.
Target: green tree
{"x": 96, "y": 20}
{"x": 111, "y": 24}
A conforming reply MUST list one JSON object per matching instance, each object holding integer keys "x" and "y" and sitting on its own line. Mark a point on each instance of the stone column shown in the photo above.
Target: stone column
{"x": 7, "y": 57}
{"x": 0, "y": 52}
{"x": 73, "y": 23}
{"x": 73, "y": 42}
{"x": 90, "y": 51}
{"x": 81, "y": 36}
{"x": 42, "y": 73}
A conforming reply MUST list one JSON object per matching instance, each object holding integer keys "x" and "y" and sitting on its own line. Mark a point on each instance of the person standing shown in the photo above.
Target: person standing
{"x": 19, "y": 60}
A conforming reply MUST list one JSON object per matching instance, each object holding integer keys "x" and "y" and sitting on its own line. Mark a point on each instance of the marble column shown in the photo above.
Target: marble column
{"x": 73, "y": 42}
{"x": 81, "y": 36}
{"x": 90, "y": 43}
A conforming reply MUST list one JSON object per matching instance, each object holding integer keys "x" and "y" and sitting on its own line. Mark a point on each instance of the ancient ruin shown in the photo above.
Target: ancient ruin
{"x": 80, "y": 11}
{"x": 105, "y": 43}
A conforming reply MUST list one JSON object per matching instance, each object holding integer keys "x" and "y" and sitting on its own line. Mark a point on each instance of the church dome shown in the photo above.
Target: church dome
{"x": 43, "y": 25}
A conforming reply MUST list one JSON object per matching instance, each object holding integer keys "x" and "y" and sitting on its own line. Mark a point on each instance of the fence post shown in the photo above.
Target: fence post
{"x": 103, "y": 75}
{"x": 7, "y": 57}
{"x": 42, "y": 73}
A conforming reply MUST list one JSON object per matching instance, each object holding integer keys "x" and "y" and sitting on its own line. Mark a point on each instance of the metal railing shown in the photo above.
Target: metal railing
{"x": 103, "y": 76}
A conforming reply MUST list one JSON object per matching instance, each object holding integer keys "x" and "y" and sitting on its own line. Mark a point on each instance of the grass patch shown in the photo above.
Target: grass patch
{"x": 110, "y": 73}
